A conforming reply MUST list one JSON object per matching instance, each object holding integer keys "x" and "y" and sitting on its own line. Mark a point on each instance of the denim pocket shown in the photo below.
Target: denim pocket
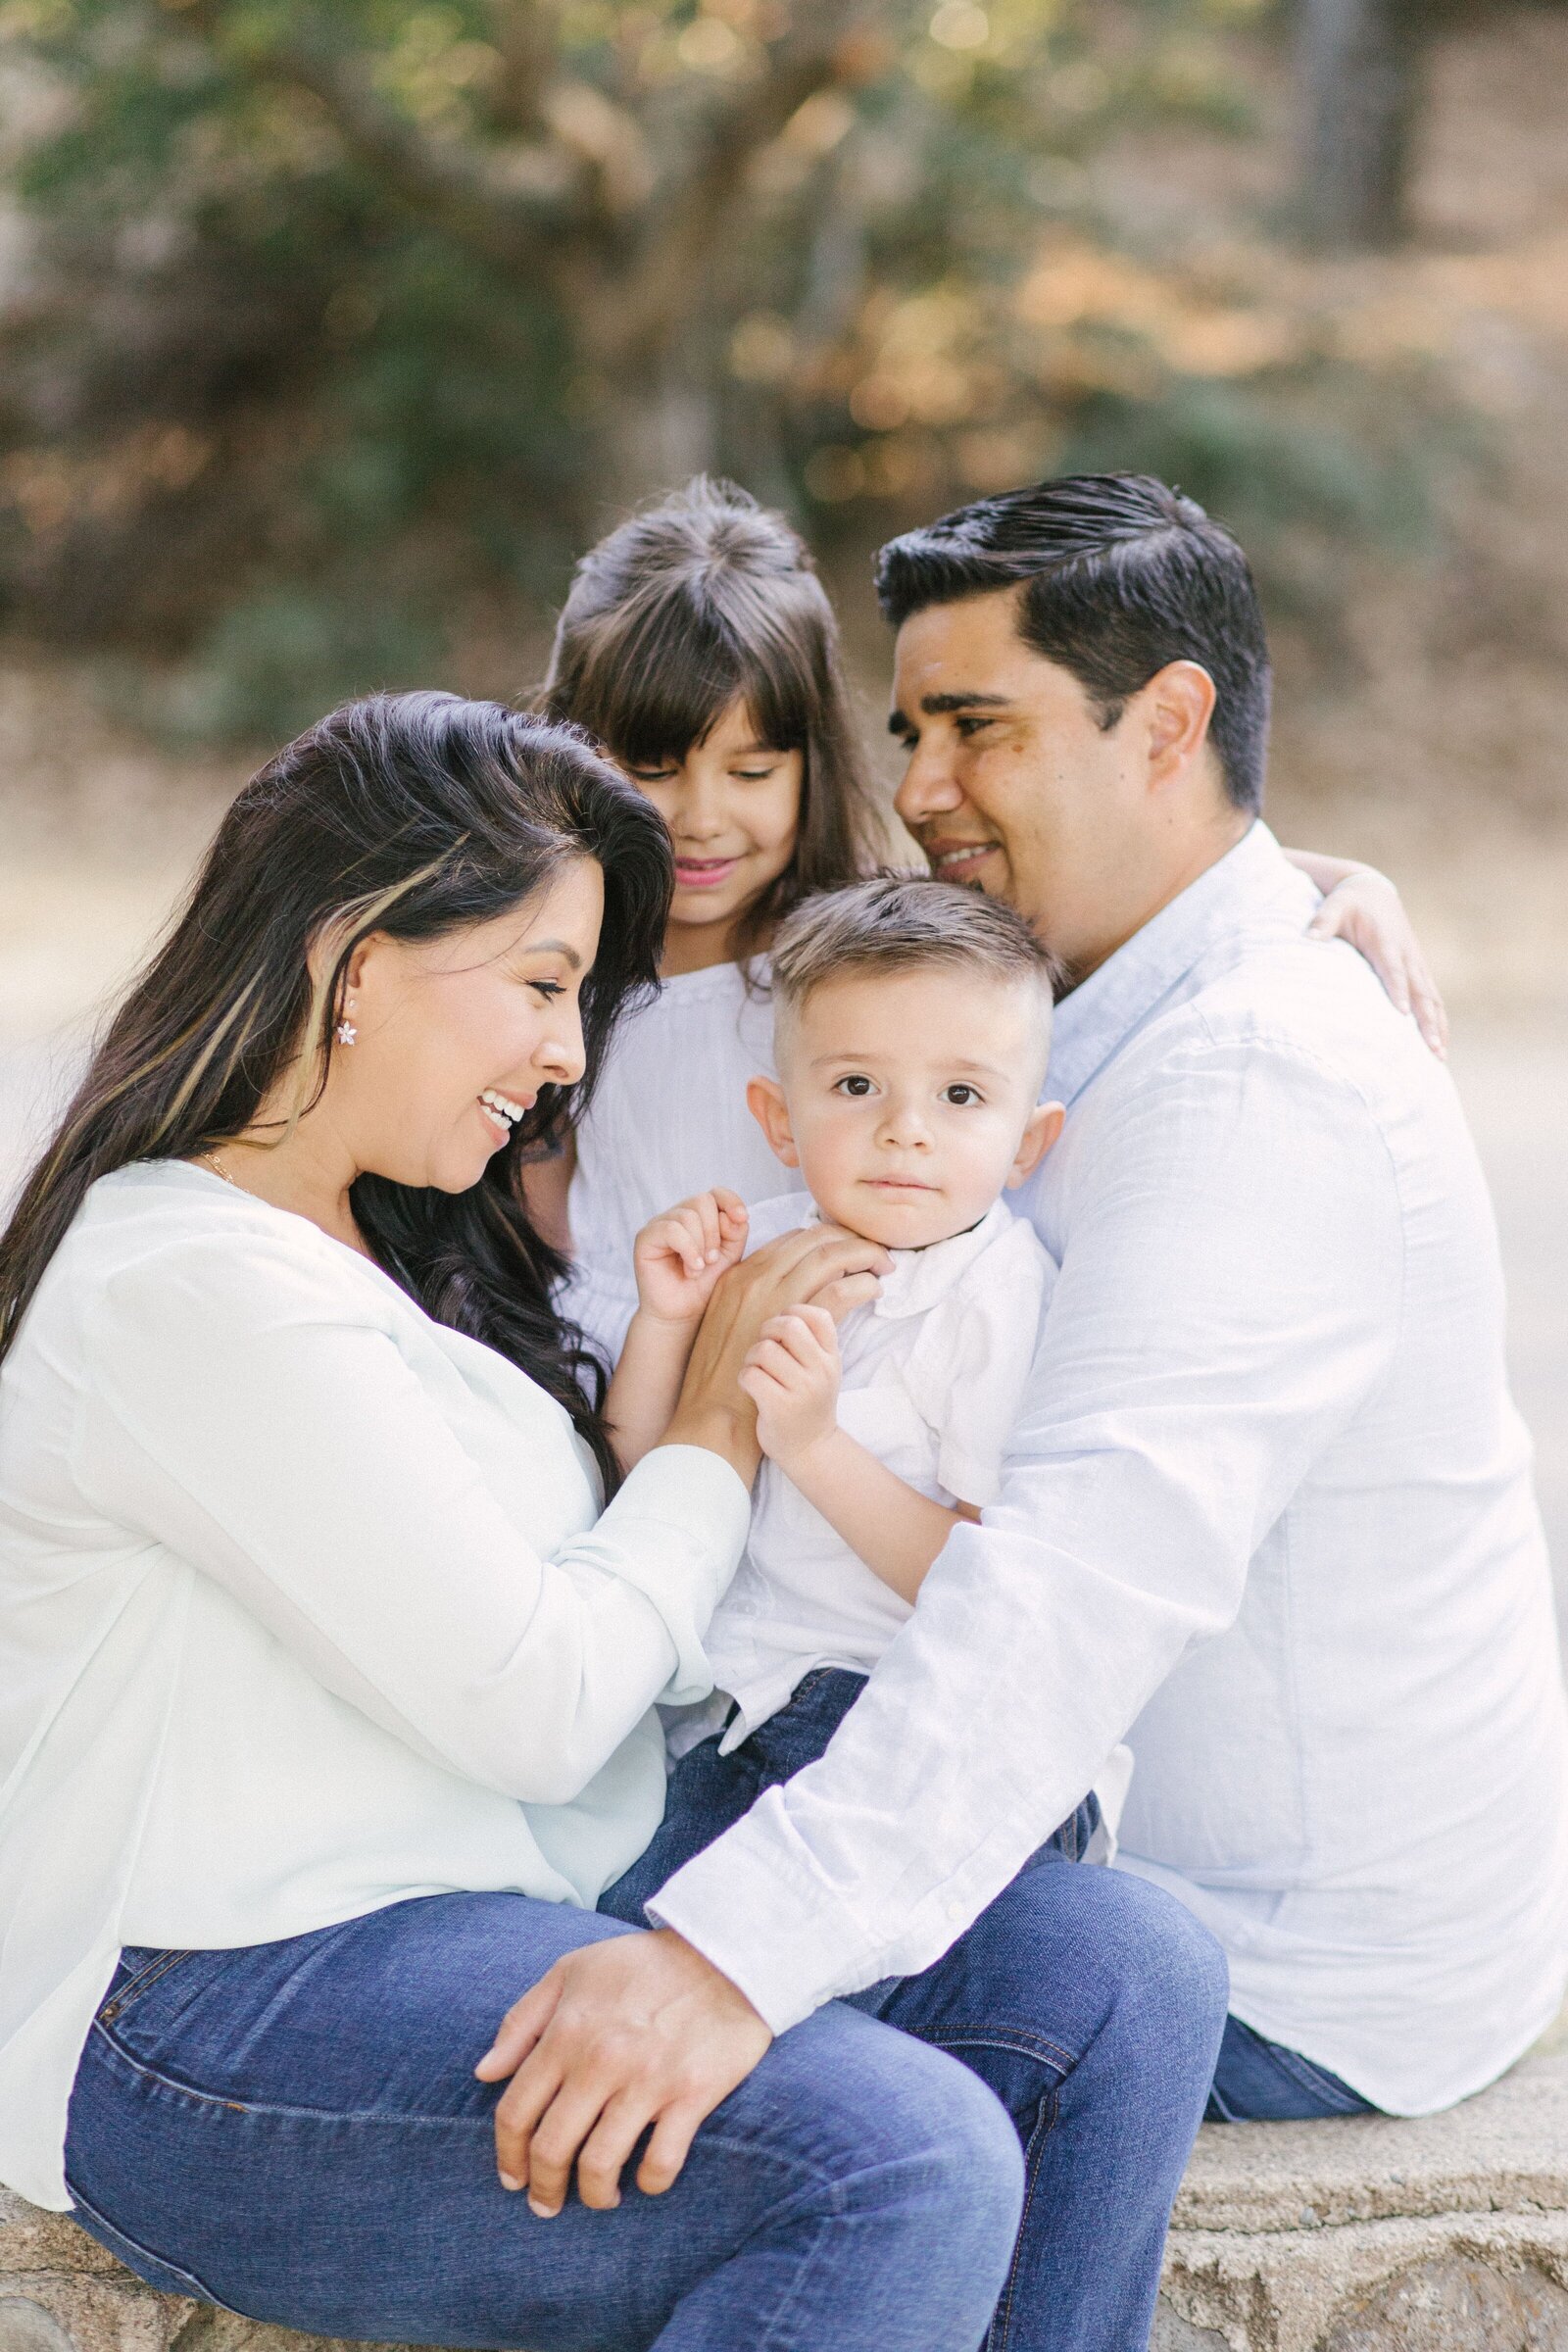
{"x": 140, "y": 1969}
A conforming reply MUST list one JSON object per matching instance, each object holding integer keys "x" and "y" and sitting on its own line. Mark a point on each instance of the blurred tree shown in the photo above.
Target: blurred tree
{"x": 1360, "y": 64}
{"x": 344, "y": 321}
{"x": 1360, "y": 69}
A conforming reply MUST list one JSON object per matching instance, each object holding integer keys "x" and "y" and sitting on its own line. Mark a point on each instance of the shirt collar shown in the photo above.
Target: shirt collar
{"x": 1253, "y": 887}
{"x": 920, "y": 1277}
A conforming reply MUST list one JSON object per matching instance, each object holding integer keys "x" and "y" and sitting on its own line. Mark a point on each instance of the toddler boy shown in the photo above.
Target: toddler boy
{"x": 913, "y": 1028}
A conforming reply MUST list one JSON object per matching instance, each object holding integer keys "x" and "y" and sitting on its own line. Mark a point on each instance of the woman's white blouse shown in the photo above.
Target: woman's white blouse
{"x": 307, "y": 1606}
{"x": 668, "y": 1118}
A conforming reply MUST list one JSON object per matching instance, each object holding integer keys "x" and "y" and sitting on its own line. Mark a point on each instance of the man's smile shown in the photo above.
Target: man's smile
{"x": 956, "y": 860}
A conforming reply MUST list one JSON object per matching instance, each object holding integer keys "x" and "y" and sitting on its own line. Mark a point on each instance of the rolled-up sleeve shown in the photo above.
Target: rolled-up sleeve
{"x": 1228, "y": 1298}
{"x": 245, "y": 1416}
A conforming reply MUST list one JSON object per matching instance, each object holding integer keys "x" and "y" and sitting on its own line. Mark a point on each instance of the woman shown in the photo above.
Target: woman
{"x": 330, "y": 1679}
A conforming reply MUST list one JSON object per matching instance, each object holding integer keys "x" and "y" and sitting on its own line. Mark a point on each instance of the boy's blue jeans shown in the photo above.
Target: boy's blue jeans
{"x": 1089, "y": 2002}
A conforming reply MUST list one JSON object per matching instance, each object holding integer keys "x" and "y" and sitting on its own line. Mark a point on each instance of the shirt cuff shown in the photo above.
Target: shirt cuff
{"x": 754, "y": 1905}
{"x": 676, "y": 1530}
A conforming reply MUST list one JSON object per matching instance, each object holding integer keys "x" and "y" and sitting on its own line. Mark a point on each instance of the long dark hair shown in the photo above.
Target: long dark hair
{"x": 413, "y": 815}
{"x": 687, "y": 607}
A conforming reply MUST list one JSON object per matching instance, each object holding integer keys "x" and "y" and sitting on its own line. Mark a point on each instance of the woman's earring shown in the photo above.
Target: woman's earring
{"x": 345, "y": 1032}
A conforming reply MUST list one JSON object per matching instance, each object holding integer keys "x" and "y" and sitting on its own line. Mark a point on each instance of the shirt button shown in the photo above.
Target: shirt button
{"x": 958, "y": 1910}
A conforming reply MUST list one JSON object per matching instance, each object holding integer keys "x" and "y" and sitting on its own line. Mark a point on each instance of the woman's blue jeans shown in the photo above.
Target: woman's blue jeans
{"x": 1089, "y": 2002}
{"x": 293, "y": 2131}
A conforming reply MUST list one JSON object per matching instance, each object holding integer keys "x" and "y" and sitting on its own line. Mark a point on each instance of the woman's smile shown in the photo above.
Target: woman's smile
{"x": 503, "y": 1112}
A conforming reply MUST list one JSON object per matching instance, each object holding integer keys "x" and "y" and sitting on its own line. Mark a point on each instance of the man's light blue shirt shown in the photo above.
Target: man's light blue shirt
{"x": 1269, "y": 1518}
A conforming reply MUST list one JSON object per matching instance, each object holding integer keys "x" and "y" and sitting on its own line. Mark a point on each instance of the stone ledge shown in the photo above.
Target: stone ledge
{"x": 1506, "y": 2150}
{"x": 1444, "y": 2235}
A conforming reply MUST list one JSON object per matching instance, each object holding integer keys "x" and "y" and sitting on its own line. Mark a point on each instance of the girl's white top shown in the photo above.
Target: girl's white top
{"x": 669, "y": 1119}
{"x": 934, "y": 1372}
{"x": 307, "y": 1606}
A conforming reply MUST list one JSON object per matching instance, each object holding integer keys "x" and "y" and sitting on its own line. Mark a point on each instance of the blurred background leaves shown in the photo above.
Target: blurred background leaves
{"x": 334, "y": 327}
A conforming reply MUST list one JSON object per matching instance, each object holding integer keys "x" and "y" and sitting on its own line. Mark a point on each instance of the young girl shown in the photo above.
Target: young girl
{"x": 698, "y": 645}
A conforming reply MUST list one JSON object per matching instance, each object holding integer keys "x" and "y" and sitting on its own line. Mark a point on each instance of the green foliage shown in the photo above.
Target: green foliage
{"x": 422, "y": 287}
{"x": 277, "y": 659}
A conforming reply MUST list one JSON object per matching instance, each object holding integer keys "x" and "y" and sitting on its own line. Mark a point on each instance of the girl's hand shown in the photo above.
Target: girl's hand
{"x": 792, "y": 1377}
{"x": 679, "y": 1256}
{"x": 1366, "y": 909}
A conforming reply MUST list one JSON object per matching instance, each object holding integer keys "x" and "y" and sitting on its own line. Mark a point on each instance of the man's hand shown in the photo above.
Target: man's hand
{"x": 635, "y": 2030}
{"x": 792, "y": 1376}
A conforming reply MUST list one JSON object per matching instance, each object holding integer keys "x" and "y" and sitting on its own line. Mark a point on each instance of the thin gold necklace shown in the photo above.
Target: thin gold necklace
{"x": 209, "y": 1161}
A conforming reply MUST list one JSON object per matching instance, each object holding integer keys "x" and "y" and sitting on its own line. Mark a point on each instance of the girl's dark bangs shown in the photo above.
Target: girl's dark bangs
{"x": 660, "y": 684}
{"x": 664, "y": 683}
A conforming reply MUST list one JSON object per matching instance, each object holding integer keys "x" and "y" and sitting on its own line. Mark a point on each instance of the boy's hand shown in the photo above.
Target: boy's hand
{"x": 792, "y": 1377}
{"x": 679, "y": 1256}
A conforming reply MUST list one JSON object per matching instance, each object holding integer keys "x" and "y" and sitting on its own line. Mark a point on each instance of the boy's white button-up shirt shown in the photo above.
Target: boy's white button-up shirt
{"x": 1269, "y": 1518}
{"x": 934, "y": 1371}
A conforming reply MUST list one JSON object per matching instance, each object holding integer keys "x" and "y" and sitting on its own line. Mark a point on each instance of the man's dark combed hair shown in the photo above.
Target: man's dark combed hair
{"x": 902, "y": 923}
{"x": 1121, "y": 574}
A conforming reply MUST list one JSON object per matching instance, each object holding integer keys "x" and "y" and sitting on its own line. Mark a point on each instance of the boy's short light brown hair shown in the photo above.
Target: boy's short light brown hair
{"x": 900, "y": 924}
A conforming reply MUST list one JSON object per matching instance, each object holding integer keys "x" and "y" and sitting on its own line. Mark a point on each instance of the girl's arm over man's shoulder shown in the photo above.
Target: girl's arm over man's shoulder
{"x": 1363, "y": 908}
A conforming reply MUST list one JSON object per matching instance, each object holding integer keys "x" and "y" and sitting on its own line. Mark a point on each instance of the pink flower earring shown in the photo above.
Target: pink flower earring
{"x": 345, "y": 1032}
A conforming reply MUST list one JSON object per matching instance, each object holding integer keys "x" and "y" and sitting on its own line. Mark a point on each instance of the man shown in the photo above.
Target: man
{"x": 1275, "y": 1524}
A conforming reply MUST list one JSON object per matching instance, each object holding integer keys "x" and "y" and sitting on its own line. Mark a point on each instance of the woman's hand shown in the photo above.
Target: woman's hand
{"x": 1364, "y": 909}
{"x": 679, "y": 1256}
{"x": 818, "y": 1267}
{"x": 637, "y": 2030}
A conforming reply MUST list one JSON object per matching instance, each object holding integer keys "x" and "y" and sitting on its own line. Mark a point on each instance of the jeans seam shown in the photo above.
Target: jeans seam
{"x": 1017, "y": 2038}
{"x": 176, "y": 2270}
{"x": 358, "y": 2116}
{"x": 792, "y": 2297}
{"x": 1314, "y": 2078}
{"x": 812, "y": 2176}
{"x": 143, "y": 1981}
{"x": 1001, "y": 2319}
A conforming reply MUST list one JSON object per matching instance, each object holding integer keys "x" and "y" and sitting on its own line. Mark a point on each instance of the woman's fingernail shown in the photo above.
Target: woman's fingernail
{"x": 546, "y": 2213}
{"x": 507, "y": 2181}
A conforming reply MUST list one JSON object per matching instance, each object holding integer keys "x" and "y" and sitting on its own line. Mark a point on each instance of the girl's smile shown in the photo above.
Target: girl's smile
{"x": 732, "y": 804}
{"x": 703, "y": 873}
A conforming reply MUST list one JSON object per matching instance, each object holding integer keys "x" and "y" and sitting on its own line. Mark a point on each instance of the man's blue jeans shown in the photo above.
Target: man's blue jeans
{"x": 1089, "y": 2002}
{"x": 1263, "y": 2082}
{"x": 293, "y": 2131}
